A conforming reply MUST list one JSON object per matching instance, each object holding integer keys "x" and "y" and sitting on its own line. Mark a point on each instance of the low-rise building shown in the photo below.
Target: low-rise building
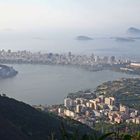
{"x": 109, "y": 100}
{"x": 124, "y": 108}
{"x": 68, "y": 102}
{"x": 69, "y": 113}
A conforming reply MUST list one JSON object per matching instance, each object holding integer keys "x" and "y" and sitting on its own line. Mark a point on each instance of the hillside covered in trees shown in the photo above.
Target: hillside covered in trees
{"x": 19, "y": 121}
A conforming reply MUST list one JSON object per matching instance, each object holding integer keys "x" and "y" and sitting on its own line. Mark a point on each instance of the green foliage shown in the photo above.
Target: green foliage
{"x": 127, "y": 137}
{"x": 27, "y": 123}
{"x": 75, "y": 135}
{"x": 136, "y": 136}
{"x": 66, "y": 135}
{"x": 126, "y": 91}
{"x": 105, "y": 136}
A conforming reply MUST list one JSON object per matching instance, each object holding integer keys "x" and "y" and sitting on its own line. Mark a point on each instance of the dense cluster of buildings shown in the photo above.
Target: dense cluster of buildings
{"x": 87, "y": 111}
{"x": 100, "y": 109}
{"x": 54, "y": 58}
{"x": 90, "y": 62}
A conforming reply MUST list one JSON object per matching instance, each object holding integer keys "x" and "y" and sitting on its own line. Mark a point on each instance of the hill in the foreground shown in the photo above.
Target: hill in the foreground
{"x": 19, "y": 121}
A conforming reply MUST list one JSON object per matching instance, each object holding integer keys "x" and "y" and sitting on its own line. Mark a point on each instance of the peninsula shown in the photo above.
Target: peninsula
{"x": 6, "y": 71}
{"x": 111, "y": 103}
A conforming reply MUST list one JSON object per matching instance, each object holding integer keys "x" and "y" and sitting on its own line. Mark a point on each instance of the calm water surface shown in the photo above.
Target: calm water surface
{"x": 44, "y": 84}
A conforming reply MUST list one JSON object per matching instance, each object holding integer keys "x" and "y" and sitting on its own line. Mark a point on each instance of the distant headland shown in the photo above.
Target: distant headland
{"x": 6, "y": 71}
{"x": 123, "y": 39}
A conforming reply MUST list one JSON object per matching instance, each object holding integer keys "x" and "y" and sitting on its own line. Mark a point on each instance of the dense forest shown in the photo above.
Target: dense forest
{"x": 20, "y": 121}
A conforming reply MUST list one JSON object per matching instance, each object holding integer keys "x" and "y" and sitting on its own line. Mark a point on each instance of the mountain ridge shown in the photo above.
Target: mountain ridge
{"x": 31, "y": 124}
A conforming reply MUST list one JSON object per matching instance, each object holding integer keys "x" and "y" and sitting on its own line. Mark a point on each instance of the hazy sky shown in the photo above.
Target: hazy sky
{"x": 95, "y": 15}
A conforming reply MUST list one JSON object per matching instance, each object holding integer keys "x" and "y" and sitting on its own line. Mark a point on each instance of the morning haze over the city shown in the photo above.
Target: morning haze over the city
{"x": 69, "y": 70}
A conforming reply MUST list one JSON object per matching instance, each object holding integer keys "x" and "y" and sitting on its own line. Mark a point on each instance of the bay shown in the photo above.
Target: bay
{"x": 47, "y": 84}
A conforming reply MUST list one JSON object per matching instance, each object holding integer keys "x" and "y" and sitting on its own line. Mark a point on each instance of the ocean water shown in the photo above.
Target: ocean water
{"x": 103, "y": 46}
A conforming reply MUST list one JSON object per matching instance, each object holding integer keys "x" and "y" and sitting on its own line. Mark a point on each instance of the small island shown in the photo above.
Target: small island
{"x": 134, "y": 31}
{"x": 124, "y": 39}
{"x": 6, "y": 71}
{"x": 85, "y": 38}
